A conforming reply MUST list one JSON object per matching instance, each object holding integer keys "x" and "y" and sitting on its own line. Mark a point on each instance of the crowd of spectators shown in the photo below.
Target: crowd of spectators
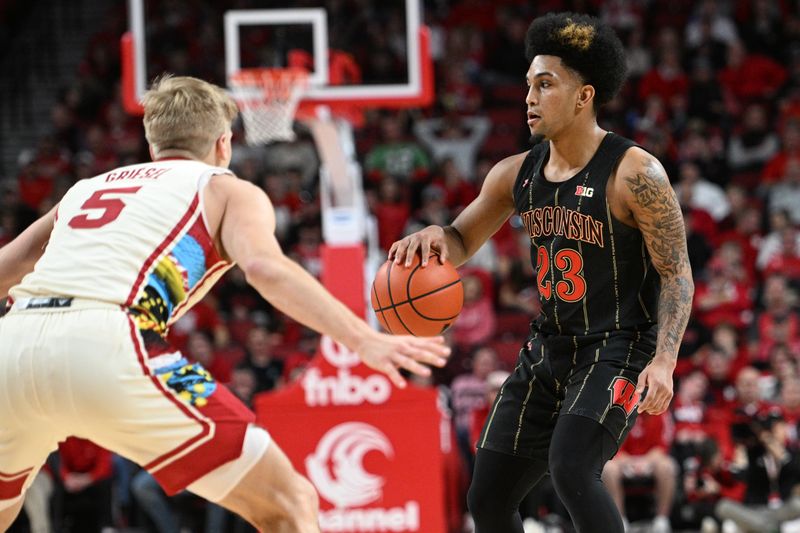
{"x": 713, "y": 91}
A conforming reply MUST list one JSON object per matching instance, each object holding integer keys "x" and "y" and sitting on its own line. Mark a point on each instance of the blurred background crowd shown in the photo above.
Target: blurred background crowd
{"x": 713, "y": 91}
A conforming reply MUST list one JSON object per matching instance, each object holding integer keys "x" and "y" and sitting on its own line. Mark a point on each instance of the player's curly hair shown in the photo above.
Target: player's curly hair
{"x": 585, "y": 45}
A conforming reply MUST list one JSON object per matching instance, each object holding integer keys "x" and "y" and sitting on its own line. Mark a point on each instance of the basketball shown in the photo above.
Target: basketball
{"x": 415, "y": 300}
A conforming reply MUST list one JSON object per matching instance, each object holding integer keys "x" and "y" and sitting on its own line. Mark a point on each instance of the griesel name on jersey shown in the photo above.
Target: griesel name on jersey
{"x": 150, "y": 173}
{"x": 561, "y": 221}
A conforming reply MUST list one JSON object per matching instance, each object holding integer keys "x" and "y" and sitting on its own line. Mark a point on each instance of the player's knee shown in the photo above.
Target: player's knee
{"x": 564, "y": 470}
{"x": 297, "y": 504}
{"x": 483, "y": 502}
{"x": 309, "y": 499}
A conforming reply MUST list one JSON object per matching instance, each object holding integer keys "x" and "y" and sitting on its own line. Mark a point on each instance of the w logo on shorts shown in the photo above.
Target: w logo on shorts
{"x": 624, "y": 395}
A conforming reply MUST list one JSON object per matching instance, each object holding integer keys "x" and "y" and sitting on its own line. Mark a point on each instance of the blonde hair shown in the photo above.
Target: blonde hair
{"x": 184, "y": 113}
{"x": 577, "y": 35}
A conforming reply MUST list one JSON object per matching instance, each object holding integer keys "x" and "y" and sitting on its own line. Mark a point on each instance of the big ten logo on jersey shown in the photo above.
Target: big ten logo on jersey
{"x": 580, "y": 190}
{"x": 338, "y": 472}
{"x": 343, "y": 387}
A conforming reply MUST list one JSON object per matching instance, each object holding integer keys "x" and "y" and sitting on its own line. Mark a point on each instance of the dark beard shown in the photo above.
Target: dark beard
{"x": 535, "y": 139}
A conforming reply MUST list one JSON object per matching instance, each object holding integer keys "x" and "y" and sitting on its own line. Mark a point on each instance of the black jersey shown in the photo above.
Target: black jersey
{"x": 593, "y": 272}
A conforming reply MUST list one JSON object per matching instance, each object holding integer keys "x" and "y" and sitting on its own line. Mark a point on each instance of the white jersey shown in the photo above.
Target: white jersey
{"x": 136, "y": 236}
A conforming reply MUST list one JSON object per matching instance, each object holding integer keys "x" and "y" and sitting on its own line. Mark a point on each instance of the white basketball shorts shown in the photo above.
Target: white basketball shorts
{"x": 84, "y": 369}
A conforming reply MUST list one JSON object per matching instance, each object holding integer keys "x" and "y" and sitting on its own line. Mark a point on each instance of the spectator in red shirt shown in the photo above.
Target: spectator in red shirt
{"x": 775, "y": 168}
{"x": 751, "y": 77}
{"x": 666, "y": 80}
{"x": 790, "y": 405}
{"x": 778, "y": 322}
{"x": 85, "y": 470}
{"x": 689, "y": 409}
{"x": 458, "y": 189}
{"x": 746, "y": 232}
{"x": 645, "y": 453}
{"x": 479, "y": 415}
{"x": 720, "y": 369}
{"x": 725, "y": 296}
{"x": 468, "y": 393}
{"x": 786, "y": 259}
{"x": 478, "y": 319}
{"x": 202, "y": 316}
{"x": 391, "y": 211}
{"x": 707, "y": 479}
{"x": 32, "y": 185}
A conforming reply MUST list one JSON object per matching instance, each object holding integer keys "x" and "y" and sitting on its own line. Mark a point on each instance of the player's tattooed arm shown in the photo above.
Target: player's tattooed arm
{"x": 655, "y": 208}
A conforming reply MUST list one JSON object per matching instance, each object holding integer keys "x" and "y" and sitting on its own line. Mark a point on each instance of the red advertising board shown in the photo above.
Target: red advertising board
{"x": 374, "y": 452}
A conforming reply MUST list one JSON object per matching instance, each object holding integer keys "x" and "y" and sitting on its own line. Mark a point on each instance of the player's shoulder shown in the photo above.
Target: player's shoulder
{"x": 228, "y": 185}
{"x": 510, "y": 166}
{"x": 637, "y": 160}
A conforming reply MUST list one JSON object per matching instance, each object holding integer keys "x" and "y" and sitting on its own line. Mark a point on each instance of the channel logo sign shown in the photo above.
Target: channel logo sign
{"x": 336, "y": 468}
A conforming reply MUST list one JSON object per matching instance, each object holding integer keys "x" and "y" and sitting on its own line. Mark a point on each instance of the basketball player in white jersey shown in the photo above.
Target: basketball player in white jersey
{"x": 95, "y": 284}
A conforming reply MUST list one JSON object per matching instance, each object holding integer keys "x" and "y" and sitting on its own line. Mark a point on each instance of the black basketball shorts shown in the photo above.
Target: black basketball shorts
{"x": 593, "y": 376}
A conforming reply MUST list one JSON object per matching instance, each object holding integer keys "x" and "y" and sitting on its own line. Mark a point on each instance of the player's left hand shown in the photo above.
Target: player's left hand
{"x": 391, "y": 353}
{"x": 657, "y": 379}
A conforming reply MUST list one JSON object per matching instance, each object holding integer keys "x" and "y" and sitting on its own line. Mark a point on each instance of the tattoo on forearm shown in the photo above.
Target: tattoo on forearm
{"x": 661, "y": 223}
{"x": 674, "y": 307}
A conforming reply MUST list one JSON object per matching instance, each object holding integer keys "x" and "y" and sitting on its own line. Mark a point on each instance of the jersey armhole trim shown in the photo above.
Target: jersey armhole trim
{"x": 205, "y": 177}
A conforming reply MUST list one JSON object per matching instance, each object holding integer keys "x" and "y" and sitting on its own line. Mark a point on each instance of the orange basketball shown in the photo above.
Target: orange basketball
{"x": 415, "y": 300}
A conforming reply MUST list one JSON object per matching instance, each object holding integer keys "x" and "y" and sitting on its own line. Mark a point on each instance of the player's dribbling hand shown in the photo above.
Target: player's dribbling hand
{"x": 390, "y": 353}
{"x": 657, "y": 378}
{"x": 425, "y": 241}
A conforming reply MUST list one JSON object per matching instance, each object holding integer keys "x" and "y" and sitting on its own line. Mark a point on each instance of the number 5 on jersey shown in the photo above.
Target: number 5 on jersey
{"x": 572, "y": 287}
{"x": 111, "y": 207}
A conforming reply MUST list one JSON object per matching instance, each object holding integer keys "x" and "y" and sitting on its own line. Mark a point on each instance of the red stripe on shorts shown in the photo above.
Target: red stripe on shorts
{"x": 11, "y": 484}
{"x": 206, "y": 451}
{"x": 171, "y": 397}
{"x": 160, "y": 249}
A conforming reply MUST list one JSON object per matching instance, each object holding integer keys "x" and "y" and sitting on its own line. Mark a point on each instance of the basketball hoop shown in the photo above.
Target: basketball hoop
{"x": 268, "y": 99}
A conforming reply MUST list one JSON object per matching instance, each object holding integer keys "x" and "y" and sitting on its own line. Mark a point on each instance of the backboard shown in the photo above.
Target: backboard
{"x": 360, "y": 53}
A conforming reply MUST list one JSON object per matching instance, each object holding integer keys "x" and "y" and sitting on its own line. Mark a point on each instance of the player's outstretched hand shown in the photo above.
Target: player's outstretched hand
{"x": 657, "y": 378}
{"x": 390, "y": 353}
{"x": 424, "y": 241}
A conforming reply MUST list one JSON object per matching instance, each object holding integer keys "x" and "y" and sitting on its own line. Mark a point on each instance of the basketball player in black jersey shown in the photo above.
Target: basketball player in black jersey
{"x": 608, "y": 243}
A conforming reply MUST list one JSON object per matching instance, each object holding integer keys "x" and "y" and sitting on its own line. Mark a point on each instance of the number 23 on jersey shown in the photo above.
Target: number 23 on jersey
{"x": 572, "y": 287}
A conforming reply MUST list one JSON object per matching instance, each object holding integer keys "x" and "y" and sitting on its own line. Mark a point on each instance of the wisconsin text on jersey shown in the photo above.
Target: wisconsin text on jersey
{"x": 559, "y": 220}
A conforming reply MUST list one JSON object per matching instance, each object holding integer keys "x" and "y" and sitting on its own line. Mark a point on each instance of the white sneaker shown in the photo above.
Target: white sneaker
{"x": 529, "y": 525}
{"x": 729, "y": 526}
{"x": 709, "y": 525}
{"x": 661, "y": 525}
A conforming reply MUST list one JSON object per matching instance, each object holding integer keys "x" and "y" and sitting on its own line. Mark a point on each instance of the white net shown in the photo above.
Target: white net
{"x": 268, "y": 100}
